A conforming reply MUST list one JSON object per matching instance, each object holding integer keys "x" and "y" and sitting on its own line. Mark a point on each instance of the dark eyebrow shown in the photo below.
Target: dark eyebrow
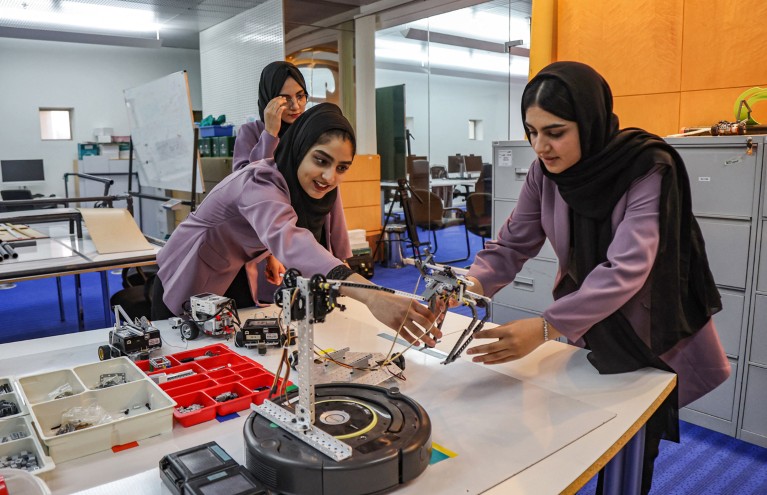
{"x": 330, "y": 158}
{"x": 548, "y": 127}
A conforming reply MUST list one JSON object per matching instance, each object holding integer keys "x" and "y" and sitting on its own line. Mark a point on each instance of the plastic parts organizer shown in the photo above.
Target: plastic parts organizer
{"x": 135, "y": 407}
{"x": 216, "y": 371}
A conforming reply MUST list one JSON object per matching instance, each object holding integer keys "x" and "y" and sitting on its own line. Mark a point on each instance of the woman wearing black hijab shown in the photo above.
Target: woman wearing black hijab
{"x": 290, "y": 208}
{"x": 281, "y": 100}
{"x": 633, "y": 284}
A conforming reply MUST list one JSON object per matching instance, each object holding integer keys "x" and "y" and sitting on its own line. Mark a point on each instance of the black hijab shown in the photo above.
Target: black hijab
{"x": 273, "y": 77}
{"x": 294, "y": 145}
{"x": 683, "y": 295}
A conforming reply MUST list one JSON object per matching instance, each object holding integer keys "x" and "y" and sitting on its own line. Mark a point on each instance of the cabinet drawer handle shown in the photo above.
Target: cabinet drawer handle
{"x": 520, "y": 173}
{"x": 524, "y": 283}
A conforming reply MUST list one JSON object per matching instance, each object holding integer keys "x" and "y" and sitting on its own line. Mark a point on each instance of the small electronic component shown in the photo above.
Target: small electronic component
{"x": 207, "y": 470}
{"x": 8, "y": 408}
{"x": 23, "y": 460}
{"x": 260, "y": 333}
{"x": 159, "y": 363}
{"x": 107, "y": 380}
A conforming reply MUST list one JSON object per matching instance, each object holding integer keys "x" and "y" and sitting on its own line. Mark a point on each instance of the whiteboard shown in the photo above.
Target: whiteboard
{"x": 162, "y": 129}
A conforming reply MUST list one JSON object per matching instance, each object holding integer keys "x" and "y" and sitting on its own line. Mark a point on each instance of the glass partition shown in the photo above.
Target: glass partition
{"x": 463, "y": 73}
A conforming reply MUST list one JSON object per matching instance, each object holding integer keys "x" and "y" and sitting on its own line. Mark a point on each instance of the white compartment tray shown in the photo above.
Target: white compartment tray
{"x": 28, "y": 443}
{"x": 59, "y": 384}
{"x": 126, "y": 404}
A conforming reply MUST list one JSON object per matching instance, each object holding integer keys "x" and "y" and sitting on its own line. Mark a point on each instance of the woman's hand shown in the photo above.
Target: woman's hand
{"x": 396, "y": 312}
{"x": 273, "y": 115}
{"x": 413, "y": 317}
{"x": 516, "y": 339}
{"x": 274, "y": 270}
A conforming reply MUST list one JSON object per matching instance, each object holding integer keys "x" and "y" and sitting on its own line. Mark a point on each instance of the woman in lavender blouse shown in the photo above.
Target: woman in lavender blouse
{"x": 633, "y": 282}
{"x": 288, "y": 206}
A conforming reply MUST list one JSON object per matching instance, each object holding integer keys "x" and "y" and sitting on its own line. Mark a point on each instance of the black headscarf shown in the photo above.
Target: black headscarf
{"x": 273, "y": 77}
{"x": 683, "y": 295}
{"x": 293, "y": 146}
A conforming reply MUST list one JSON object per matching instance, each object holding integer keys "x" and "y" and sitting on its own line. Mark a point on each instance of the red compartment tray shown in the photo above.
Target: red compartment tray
{"x": 217, "y": 369}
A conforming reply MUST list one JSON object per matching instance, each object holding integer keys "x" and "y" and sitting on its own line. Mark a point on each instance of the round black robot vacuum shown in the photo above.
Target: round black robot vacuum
{"x": 390, "y": 436}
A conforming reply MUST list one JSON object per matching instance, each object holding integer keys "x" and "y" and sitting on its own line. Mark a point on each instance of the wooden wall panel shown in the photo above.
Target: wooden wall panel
{"x": 724, "y": 44}
{"x": 658, "y": 114}
{"x": 705, "y": 108}
{"x": 363, "y": 193}
{"x": 364, "y": 167}
{"x": 635, "y": 45}
{"x": 364, "y": 217}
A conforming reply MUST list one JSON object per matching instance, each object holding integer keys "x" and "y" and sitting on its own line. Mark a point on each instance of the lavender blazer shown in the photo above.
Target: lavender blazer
{"x": 252, "y": 144}
{"x": 622, "y": 283}
{"x": 245, "y": 215}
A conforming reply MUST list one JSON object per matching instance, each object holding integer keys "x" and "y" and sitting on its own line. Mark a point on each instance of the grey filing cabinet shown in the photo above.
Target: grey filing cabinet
{"x": 725, "y": 181}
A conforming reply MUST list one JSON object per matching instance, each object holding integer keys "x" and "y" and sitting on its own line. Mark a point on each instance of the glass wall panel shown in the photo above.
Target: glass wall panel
{"x": 463, "y": 73}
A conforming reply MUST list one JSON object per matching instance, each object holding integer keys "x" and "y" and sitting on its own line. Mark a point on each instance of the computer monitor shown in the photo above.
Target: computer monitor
{"x": 473, "y": 163}
{"x": 21, "y": 171}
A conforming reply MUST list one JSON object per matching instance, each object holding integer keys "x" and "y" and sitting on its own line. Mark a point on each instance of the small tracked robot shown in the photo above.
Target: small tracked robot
{"x": 135, "y": 340}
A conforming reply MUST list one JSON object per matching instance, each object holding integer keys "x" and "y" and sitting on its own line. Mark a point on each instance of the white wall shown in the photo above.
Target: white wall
{"x": 442, "y": 105}
{"x": 87, "y": 78}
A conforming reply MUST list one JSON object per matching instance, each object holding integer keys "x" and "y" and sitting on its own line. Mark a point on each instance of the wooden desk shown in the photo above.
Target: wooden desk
{"x": 620, "y": 404}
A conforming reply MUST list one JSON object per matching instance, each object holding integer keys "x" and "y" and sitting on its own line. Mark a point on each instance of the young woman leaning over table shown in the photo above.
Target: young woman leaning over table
{"x": 288, "y": 206}
{"x": 633, "y": 283}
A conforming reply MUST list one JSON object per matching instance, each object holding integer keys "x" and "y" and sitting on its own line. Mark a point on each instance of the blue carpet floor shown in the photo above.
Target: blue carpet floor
{"x": 705, "y": 462}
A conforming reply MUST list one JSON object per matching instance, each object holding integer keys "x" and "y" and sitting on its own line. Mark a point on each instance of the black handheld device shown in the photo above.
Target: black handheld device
{"x": 206, "y": 469}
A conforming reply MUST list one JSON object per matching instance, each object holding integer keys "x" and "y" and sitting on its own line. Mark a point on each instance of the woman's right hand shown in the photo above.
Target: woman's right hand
{"x": 273, "y": 115}
{"x": 414, "y": 322}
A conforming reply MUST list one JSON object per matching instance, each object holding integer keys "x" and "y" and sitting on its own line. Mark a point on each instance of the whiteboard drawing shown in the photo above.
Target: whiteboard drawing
{"x": 162, "y": 129}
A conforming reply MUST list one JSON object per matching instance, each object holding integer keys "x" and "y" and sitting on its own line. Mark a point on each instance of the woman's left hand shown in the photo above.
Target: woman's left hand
{"x": 516, "y": 339}
{"x": 274, "y": 270}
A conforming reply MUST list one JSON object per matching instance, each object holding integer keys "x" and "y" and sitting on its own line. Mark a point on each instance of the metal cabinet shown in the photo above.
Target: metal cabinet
{"x": 728, "y": 199}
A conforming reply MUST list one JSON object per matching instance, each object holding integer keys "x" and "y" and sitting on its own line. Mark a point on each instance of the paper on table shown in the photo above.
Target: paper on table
{"x": 113, "y": 230}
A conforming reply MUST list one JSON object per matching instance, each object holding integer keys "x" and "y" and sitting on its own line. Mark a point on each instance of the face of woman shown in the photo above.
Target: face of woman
{"x": 324, "y": 166}
{"x": 555, "y": 140}
{"x": 296, "y": 100}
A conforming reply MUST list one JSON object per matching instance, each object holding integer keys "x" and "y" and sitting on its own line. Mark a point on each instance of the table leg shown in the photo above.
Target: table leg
{"x": 105, "y": 299}
{"x": 623, "y": 474}
{"x": 61, "y": 299}
{"x": 79, "y": 302}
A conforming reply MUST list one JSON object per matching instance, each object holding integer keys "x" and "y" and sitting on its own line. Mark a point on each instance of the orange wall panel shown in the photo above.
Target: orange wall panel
{"x": 635, "y": 45}
{"x": 724, "y": 44}
{"x": 658, "y": 114}
{"x": 705, "y": 108}
{"x": 363, "y": 193}
{"x": 364, "y": 167}
{"x": 363, "y": 217}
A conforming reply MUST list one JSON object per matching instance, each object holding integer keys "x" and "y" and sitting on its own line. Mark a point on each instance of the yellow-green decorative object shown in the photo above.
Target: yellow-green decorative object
{"x": 750, "y": 96}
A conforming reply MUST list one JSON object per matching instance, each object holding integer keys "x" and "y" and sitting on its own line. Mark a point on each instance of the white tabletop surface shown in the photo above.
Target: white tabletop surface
{"x": 608, "y": 408}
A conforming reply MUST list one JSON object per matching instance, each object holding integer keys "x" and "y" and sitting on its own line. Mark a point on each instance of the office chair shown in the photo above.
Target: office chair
{"x": 135, "y": 296}
{"x": 485, "y": 180}
{"x": 15, "y": 194}
{"x": 445, "y": 193}
{"x": 419, "y": 178}
{"x": 427, "y": 212}
{"x": 479, "y": 211}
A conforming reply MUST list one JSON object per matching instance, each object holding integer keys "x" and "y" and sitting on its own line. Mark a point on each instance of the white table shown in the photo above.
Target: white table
{"x": 65, "y": 254}
{"x": 623, "y": 403}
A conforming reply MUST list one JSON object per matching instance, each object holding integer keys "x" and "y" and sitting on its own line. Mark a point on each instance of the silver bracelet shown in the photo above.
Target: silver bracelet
{"x": 545, "y": 330}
